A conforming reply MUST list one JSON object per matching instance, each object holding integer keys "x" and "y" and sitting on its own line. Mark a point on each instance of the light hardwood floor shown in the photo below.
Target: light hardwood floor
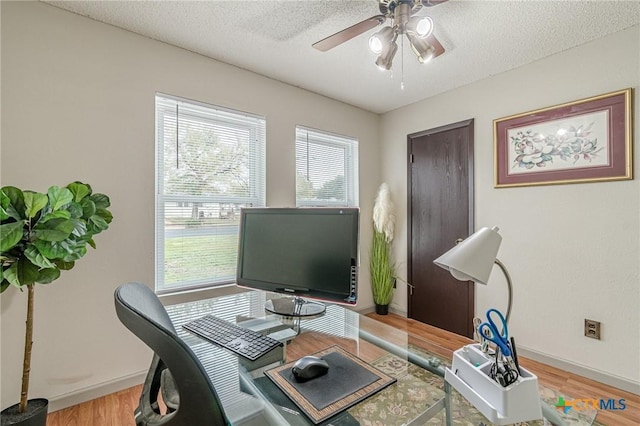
{"x": 116, "y": 409}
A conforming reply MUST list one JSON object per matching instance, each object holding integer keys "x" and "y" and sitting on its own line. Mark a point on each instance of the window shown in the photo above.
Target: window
{"x": 326, "y": 169}
{"x": 210, "y": 163}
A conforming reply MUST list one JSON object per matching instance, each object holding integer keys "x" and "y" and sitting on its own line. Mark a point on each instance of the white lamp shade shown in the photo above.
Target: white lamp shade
{"x": 473, "y": 258}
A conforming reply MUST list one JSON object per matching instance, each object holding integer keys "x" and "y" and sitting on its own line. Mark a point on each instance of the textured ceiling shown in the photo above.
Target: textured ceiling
{"x": 274, "y": 38}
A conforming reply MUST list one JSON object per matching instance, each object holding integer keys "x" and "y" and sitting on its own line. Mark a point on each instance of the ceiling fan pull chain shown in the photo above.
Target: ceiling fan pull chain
{"x": 402, "y": 65}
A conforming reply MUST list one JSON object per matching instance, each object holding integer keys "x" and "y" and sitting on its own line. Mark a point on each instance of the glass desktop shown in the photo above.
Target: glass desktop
{"x": 419, "y": 396}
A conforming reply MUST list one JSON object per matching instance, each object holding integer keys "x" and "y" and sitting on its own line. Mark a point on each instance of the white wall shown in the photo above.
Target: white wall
{"x": 572, "y": 250}
{"x": 78, "y": 104}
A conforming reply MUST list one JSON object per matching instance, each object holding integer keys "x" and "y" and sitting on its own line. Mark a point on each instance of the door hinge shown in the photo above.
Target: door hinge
{"x": 410, "y": 158}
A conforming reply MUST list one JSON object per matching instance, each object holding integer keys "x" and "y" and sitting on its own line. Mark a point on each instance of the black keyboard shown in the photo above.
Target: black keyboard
{"x": 248, "y": 343}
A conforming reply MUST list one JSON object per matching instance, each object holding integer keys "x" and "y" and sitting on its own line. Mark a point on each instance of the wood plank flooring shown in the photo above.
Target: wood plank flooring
{"x": 116, "y": 409}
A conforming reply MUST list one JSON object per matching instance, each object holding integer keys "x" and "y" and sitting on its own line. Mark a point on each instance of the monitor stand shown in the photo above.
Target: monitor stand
{"x": 294, "y": 307}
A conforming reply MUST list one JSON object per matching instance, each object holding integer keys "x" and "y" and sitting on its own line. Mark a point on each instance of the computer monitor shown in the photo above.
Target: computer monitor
{"x": 310, "y": 252}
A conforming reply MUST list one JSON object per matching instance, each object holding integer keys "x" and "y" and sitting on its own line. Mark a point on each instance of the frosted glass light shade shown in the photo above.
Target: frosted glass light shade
{"x": 380, "y": 40}
{"x": 473, "y": 258}
{"x": 420, "y": 26}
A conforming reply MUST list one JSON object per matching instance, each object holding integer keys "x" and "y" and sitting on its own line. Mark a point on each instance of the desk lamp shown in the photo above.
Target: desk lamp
{"x": 472, "y": 259}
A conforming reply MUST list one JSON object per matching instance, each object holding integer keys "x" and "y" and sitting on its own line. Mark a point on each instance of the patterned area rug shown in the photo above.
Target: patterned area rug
{"x": 417, "y": 388}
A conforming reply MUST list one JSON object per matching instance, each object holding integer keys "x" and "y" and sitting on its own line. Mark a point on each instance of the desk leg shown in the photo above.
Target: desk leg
{"x": 447, "y": 402}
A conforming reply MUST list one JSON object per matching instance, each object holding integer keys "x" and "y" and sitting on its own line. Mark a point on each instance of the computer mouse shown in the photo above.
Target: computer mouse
{"x": 309, "y": 367}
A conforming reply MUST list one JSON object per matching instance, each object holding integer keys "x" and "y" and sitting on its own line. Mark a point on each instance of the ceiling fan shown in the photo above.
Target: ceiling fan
{"x": 404, "y": 21}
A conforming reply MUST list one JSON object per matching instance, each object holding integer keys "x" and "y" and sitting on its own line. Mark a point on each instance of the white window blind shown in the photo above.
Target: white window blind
{"x": 326, "y": 169}
{"x": 210, "y": 163}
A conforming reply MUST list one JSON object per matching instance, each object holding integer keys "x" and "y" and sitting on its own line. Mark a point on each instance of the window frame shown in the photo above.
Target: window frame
{"x": 349, "y": 145}
{"x": 257, "y": 182}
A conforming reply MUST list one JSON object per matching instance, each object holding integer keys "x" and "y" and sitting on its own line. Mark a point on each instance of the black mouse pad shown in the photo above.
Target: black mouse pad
{"x": 348, "y": 381}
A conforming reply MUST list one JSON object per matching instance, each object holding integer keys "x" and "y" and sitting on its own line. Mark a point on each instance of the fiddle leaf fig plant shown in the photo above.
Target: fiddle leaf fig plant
{"x": 42, "y": 235}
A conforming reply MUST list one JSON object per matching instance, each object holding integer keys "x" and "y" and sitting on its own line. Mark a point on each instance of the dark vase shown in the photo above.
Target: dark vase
{"x": 382, "y": 309}
{"x": 34, "y": 415}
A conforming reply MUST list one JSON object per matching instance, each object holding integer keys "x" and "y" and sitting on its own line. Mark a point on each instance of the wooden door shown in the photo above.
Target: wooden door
{"x": 440, "y": 210}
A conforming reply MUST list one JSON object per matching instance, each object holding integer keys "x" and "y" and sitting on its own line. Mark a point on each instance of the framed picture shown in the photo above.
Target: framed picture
{"x": 589, "y": 140}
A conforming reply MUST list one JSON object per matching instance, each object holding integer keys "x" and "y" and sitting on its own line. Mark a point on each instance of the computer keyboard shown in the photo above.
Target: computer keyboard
{"x": 248, "y": 343}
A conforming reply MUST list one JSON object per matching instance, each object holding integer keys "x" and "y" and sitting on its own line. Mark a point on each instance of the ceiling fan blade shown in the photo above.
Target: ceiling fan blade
{"x": 349, "y": 33}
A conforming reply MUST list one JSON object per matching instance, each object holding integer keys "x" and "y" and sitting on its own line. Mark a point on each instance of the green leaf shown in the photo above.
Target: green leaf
{"x": 88, "y": 208}
{"x": 54, "y": 230}
{"x": 21, "y": 273}
{"x": 11, "y": 234}
{"x": 79, "y": 190}
{"x": 52, "y": 250}
{"x": 58, "y": 197}
{"x": 33, "y": 254}
{"x": 64, "y": 214}
{"x": 77, "y": 252}
{"x": 105, "y": 214}
{"x": 64, "y": 266}
{"x": 5, "y": 203}
{"x": 75, "y": 209}
{"x": 16, "y": 209}
{"x": 34, "y": 202}
{"x": 79, "y": 227}
{"x": 48, "y": 275}
{"x": 99, "y": 223}
{"x": 101, "y": 201}
{"x": 92, "y": 243}
{"x": 5, "y": 284}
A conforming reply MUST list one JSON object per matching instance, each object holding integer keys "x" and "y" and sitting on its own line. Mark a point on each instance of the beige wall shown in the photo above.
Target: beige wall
{"x": 572, "y": 250}
{"x": 78, "y": 104}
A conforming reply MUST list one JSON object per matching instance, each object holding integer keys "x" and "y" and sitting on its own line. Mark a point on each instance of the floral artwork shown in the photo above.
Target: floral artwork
{"x": 582, "y": 141}
{"x": 561, "y": 144}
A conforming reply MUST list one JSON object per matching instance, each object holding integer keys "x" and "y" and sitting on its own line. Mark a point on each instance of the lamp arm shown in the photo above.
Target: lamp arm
{"x": 506, "y": 274}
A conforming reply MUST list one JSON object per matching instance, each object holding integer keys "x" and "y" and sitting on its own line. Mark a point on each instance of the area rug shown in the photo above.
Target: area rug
{"x": 417, "y": 388}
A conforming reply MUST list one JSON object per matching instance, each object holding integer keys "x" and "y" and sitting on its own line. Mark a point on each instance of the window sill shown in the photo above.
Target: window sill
{"x": 199, "y": 294}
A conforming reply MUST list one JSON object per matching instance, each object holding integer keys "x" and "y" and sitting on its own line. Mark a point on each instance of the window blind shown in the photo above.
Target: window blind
{"x": 326, "y": 169}
{"x": 210, "y": 163}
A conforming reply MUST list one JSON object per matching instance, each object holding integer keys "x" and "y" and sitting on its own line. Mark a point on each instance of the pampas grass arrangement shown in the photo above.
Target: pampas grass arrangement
{"x": 380, "y": 265}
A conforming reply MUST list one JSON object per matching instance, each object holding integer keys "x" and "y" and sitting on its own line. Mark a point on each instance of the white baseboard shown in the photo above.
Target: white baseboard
{"x": 581, "y": 370}
{"x": 95, "y": 391}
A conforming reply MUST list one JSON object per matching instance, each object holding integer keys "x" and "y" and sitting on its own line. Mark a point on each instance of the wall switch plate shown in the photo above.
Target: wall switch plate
{"x": 592, "y": 329}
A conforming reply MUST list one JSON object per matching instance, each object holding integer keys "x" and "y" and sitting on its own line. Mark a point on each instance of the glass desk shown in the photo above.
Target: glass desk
{"x": 419, "y": 396}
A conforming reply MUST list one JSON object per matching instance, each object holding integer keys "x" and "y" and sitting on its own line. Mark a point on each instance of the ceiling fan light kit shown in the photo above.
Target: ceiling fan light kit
{"x": 420, "y": 26}
{"x": 381, "y": 39}
{"x": 385, "y": 60}
{"x": 423, "y": 50}
{"x": 404, "y": 21}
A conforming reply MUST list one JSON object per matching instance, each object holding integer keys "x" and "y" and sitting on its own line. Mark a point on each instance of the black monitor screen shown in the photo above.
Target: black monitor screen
{"x": 309, "y": 252}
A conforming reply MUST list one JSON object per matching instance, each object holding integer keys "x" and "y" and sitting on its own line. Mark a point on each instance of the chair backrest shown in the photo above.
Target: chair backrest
{"x": 140, "y": 310}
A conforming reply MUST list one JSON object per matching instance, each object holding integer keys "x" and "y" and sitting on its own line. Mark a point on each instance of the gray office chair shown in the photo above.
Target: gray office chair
{"x": 175, "y": 370}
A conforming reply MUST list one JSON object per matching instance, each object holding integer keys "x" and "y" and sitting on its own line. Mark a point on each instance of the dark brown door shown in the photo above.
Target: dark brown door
{"x": 440, "y": 211}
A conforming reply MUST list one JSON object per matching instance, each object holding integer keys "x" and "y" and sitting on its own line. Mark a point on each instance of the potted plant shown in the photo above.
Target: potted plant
{"x": 380, "y": 265}
{"x": 41, "y": 235}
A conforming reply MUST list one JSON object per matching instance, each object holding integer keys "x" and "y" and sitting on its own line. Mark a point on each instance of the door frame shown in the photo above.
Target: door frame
{"x": 410, "y": 139}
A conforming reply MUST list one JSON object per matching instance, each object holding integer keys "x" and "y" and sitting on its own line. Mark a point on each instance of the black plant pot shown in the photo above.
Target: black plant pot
{"x": 382, "y": 309}
{"x": 34, "y": 415}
